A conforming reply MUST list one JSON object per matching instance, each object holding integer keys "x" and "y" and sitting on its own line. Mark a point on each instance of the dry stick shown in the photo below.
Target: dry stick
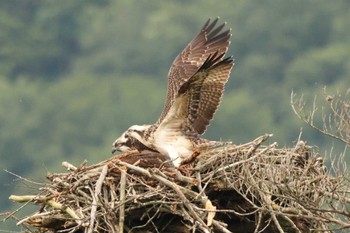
{"x": 26, "y": 198}
{"x": 53, "y": 204}
{"x": 229, "y": 149}
{"x": 135, "y": 168}
{"x": 153, "y": 175}
{"x": 178, "y": 189}
{"x": 310, "y": 118}
{"x": 257, "y": 224}
{"x": 271, "y": 211}
{"x": 220, "y": 227}
{"x": 69, "y": 166}
{"x": 29, "y": 217}
{"x": 186, "y": 179}
{"x": 11, "y": 214}
{"x": 95, "y": 197}
{"x": 226, "y": 211}
{"x": 150, "y": 220}
{"x": 267, "y": 224}
{"x": 249, "y": 153}
{"x": 178, "y": 176}
{"x": 22, "y": 178}
{"x": 201, "y": 227}
{"x": 184, "y": 190}
{"x": 122, "y": 198}
{"x": 291, "y": 223}
{"x": 331, "y": 195}
{"x": 269, "y": 205}
{"x": 208, "y": 204}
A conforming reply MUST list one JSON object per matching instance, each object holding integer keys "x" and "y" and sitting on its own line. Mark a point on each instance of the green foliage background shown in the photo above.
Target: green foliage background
{"x": 76, "y": 74}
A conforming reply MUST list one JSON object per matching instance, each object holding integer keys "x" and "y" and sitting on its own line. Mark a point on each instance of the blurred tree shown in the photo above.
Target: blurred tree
{"x": 75, "y": 74}
{"x": 322, "y": 67}
{"x": 39, "y": 38}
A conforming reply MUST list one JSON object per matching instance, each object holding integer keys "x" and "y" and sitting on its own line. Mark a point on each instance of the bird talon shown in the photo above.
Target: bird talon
{"x": 185, "y": 169}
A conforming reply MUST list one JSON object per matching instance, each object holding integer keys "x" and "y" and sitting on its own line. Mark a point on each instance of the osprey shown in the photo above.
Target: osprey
{"x": 196, "y": 82}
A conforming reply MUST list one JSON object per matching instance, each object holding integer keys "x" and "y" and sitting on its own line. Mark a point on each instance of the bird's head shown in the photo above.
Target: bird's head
{"x": 131, "y": 139}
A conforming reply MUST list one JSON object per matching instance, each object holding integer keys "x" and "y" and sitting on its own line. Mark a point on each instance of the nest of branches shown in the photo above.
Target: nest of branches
{"x": 236, "y": 188}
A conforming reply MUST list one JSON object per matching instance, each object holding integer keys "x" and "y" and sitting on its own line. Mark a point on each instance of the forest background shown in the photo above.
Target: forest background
{"x": 75, "y": 74}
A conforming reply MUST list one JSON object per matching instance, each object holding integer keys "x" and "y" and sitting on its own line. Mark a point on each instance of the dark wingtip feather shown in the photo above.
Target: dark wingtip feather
{"x": 212, "y": 25}
{"x": 211, "y": 60}
{"x": 205, "y": 25}
{"x": 216, "y": 31}
{"x": 228, "y": 60}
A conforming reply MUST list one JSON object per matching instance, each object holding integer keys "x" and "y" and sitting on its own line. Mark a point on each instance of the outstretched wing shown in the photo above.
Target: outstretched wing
{"x": 209, "y": 40}
{"x": 199, "y": 98}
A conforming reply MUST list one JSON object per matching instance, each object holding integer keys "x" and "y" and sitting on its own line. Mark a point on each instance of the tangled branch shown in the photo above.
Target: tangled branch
{"x": 335, "y": 114}
{"x": 236, "y": 188}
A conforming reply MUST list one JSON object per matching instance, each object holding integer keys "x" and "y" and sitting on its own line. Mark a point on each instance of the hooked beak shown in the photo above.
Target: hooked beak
{"x": 114, "y": 149}
{"x": 116, "y": 146}
{"x": 120, "y": 145}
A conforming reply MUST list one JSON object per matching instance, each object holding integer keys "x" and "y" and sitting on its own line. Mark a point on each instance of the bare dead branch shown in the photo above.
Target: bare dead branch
{"x": 335, "y": 115}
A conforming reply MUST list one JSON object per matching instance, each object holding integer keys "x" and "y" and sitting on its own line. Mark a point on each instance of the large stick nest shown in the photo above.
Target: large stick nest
{"x": 245, "y": 188}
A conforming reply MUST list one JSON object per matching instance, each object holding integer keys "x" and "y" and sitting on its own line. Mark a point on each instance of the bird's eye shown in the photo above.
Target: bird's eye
{"x": 126, "y": 136}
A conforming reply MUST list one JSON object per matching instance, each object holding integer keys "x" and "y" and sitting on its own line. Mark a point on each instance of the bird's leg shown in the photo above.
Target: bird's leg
{"x": 185, "y": 169}
{"x": 185, "y": 166}
{"x": 191, "y": 158}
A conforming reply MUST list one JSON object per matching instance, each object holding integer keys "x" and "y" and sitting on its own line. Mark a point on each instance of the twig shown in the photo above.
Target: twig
{"x": 221, "y": 228}
{"x": 248, "y": 154}
{"x": 95, "y": 197}
{"x": 69, "y": 166}
{"x": 135, "y": 168}
{"x": 28, "y": 198}
{"x": 43, "y": 199}
{"x": 22, "y": 178}
{"x": 186, "y": 202}
{"x": 122, "y": 198}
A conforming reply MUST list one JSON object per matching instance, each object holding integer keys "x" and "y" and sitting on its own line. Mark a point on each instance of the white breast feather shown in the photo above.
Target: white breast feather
{"x": 177, "y": 147}
{"x": 169, "y": 138}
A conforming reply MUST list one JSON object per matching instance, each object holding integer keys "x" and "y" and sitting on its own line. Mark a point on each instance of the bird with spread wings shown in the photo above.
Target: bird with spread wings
{"x": 196, "y": 82}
